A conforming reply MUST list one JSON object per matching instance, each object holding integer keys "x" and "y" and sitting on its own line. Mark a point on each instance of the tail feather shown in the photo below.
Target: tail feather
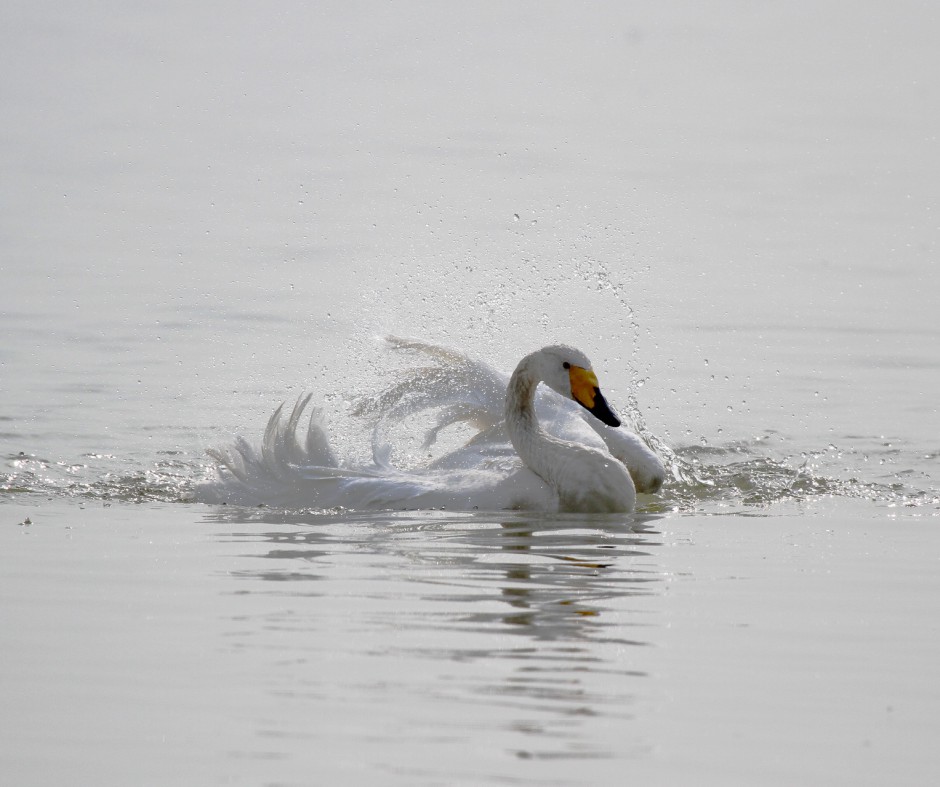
{"x": 232, "y": 459}
{"x": 319, "y": 450}
{"x": 282, "y": 455}
{"x": 295, "y": 452}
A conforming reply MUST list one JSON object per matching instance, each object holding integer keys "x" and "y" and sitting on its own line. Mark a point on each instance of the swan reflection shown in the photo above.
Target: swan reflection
{"x": 537, "y": 623}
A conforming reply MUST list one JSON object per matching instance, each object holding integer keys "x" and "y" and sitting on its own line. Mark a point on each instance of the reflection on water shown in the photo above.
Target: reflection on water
{"x": 526, "y": 625}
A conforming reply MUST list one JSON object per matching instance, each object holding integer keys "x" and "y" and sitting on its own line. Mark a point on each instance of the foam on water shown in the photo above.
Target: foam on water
{"x": 743, "y": 476}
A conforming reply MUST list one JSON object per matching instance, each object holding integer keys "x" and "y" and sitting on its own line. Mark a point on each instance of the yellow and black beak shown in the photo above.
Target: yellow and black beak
{"x": 585, "y": 391}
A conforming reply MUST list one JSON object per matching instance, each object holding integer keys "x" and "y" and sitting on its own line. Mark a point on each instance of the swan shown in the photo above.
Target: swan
{"x": 546, "y": 440}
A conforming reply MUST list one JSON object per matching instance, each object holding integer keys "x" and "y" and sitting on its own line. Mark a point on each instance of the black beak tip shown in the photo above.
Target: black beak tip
{"x": 602, "y": 412}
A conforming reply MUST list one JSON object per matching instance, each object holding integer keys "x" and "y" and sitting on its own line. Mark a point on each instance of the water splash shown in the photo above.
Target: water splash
{"x": 101, "y": 477}
{"x": 751, "y": 474}
{"x": 736, "y": 475}
{"x": 740, "y": 476}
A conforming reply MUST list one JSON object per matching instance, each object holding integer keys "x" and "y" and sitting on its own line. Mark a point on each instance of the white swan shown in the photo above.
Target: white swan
{"x": 511, "y": 463}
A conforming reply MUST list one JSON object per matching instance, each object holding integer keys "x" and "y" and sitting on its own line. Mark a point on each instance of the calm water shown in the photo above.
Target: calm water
{"x": 207, "y": 211}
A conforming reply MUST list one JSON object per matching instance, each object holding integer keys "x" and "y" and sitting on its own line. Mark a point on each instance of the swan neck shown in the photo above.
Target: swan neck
{"x": 536, "y": 449}
{"x": 520, "y": 400}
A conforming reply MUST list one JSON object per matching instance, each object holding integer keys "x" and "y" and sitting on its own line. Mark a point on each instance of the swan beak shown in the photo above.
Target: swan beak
{"x": 587, "y": 393}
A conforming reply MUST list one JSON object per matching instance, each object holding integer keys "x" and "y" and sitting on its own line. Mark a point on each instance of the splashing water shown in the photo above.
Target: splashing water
{"x": 103, "y": 477}
{"x": 738, "y": 475}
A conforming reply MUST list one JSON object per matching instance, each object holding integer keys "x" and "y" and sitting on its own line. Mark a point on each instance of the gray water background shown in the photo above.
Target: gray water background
{"x": 731, "y": 207}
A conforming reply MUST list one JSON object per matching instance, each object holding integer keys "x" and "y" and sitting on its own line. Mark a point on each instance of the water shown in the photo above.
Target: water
{"x": 162, "y": 645}
{"x": 207, "y": 211}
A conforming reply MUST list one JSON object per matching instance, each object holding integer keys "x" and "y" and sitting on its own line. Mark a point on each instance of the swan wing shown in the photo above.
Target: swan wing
{"x": 456, "y": 387}
{"x": 452, "y": 380}
{"x": 645, "y": 467}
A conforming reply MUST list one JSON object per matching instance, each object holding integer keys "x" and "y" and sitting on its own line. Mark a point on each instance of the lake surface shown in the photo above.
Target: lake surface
{"x": 733, "y": 211}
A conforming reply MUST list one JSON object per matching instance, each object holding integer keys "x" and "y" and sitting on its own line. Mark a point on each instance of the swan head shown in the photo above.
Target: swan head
{"x": 567, "y": 371}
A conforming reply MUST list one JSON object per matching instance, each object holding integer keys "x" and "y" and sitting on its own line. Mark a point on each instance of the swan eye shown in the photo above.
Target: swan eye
{"x": 566, "y": 365}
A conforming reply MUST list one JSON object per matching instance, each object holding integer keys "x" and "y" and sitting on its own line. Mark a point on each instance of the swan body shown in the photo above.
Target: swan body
{"x": 551, "y": 447}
